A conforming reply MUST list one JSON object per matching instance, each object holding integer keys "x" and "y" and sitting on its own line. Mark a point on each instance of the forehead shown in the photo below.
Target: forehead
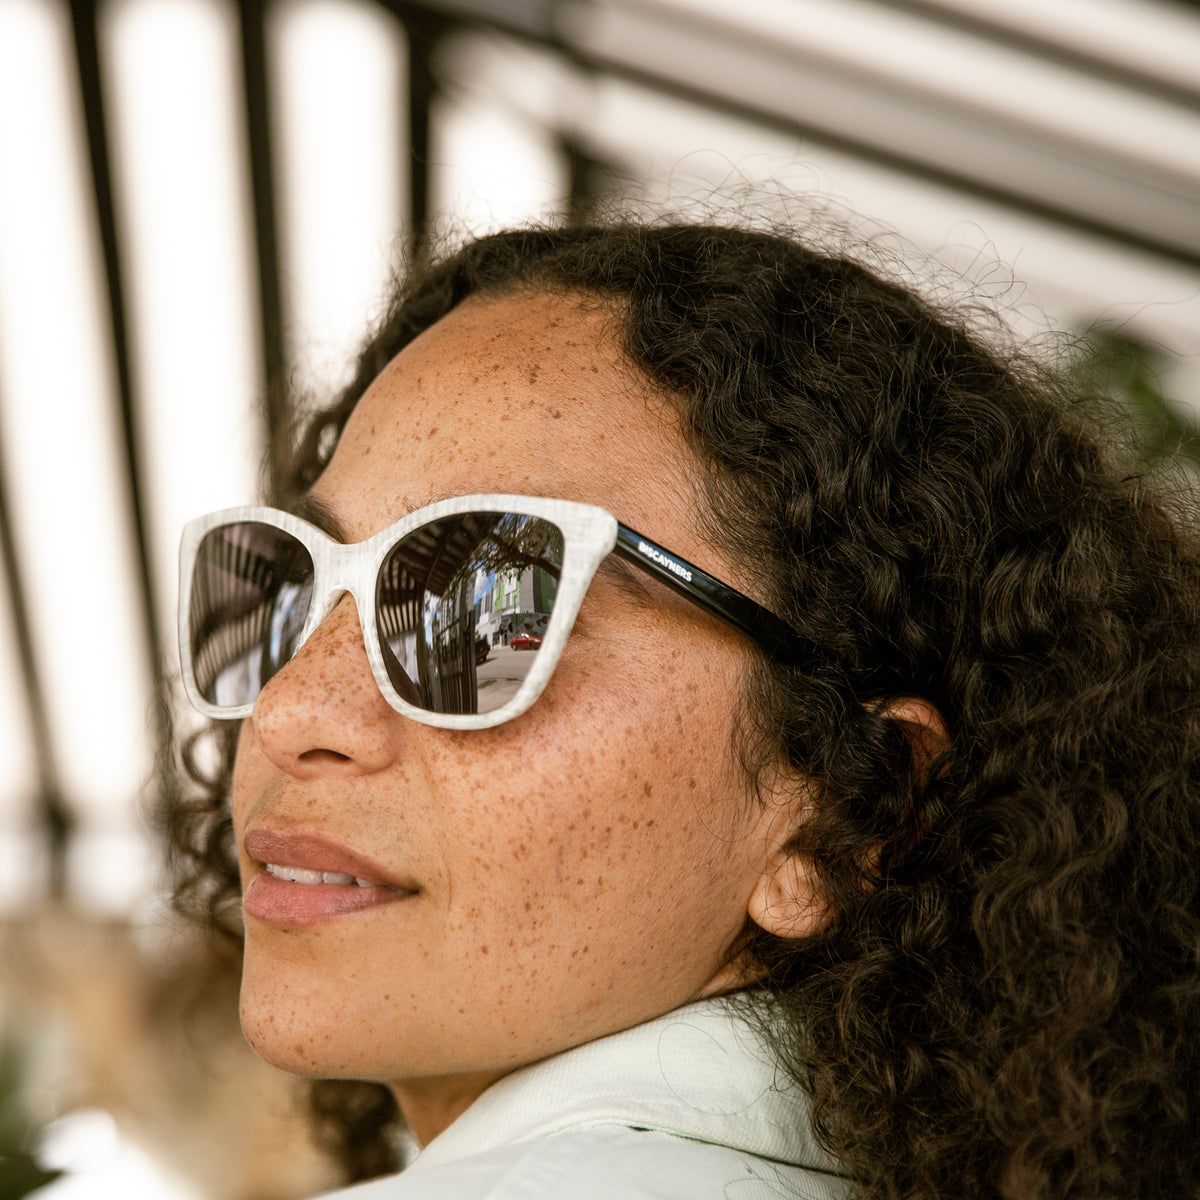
{"x": 524, "y": 394}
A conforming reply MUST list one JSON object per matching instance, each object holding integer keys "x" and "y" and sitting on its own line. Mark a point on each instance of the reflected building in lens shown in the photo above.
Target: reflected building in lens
{"x": 511, "y": 602}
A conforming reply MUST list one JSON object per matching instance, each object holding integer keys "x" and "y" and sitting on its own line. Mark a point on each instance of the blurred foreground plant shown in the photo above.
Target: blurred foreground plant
{"x": 1113, "y": 363}
{"x": 20, "y": 1173}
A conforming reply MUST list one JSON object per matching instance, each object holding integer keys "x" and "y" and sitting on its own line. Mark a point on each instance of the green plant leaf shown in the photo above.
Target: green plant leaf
{"x": 1127, "y": 369}
{"x": 20, "y": 1174}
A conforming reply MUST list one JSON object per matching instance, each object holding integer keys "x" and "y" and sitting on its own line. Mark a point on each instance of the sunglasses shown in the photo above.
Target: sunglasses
{"x": 465, "y": 605}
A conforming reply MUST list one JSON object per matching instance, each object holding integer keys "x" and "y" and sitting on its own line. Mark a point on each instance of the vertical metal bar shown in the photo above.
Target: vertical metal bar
{"x": 590, "y": 181}
{"x": 52, "y": 810}
{"x": 423, "y": 34}
{"x": 260, "y": 149}
{"x": 90, "y": 68}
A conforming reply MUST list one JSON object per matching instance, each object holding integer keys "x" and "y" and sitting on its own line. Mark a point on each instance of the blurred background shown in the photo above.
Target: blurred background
{"x": 201, "y": 200}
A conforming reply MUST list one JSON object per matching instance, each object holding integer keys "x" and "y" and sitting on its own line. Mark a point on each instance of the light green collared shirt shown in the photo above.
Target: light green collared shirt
{"x": 684, "y": 1107}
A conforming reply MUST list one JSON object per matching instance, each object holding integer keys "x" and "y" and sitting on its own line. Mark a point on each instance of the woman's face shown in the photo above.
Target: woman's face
{"x": 573, "y": 872}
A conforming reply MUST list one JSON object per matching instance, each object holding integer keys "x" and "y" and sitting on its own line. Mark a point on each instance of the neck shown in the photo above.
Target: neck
{"x": 431, "y": 1105}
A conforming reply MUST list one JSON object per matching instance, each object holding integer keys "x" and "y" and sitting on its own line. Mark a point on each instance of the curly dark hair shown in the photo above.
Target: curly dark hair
{"x": 1005, "y": 1000}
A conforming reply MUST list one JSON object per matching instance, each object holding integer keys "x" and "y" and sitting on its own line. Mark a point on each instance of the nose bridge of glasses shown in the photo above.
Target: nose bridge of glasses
{"x": 340, "y": 571}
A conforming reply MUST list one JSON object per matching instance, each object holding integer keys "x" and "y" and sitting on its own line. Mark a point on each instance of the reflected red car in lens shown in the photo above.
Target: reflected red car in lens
{"x": 525, "y": 641}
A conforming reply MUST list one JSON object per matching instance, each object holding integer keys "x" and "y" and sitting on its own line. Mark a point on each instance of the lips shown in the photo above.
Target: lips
{"x": 305, "y": 878}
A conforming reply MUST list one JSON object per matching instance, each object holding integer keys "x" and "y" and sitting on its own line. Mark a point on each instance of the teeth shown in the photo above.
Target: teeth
{"x": 304, "y": 875}
{"x": 294, "y": 874}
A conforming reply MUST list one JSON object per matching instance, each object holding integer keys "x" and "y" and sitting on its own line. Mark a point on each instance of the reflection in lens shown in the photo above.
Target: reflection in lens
{"x": 450, "y": 598}
{"x": 251, "y": 589}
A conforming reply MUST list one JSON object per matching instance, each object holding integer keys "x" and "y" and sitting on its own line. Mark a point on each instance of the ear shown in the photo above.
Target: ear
{"x": 786, "y": 900}
{"x": 922, "y": 725}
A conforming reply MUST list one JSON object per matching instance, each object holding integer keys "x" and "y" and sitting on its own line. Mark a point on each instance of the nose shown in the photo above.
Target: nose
{"x": 322, "y": 712}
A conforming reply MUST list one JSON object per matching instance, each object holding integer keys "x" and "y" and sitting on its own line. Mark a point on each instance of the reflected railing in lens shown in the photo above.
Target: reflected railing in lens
{"x": 250, "y": 594}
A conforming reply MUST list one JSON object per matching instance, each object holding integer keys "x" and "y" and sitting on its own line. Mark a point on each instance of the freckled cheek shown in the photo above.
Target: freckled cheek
{"x": 573, "y": 832}
{"x": 609, "y": 778}
{"x": 251, "y": 772}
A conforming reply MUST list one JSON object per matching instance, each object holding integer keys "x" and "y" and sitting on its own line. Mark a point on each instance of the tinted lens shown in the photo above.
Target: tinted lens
{"x": 463, "y": 604}
{"x": 251, "y": 589}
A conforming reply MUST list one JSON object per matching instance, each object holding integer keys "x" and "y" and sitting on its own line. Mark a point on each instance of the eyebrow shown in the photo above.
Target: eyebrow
{"x": 318, "y": 513}
{"x": 623, "y": 577}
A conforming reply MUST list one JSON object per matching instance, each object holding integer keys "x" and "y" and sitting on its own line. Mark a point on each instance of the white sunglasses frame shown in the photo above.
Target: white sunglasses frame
{"x": 589, "y": 535}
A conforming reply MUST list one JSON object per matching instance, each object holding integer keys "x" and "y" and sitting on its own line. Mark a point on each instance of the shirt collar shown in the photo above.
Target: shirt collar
{"x": 698, "y": 1072}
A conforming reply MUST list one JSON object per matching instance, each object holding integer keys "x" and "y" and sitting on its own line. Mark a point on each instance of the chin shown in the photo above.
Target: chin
{"x": 293, "y": 1029}
{"x": 279, "y": 1043}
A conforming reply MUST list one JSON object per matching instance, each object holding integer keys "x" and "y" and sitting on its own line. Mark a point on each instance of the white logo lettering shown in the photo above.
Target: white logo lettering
{"x": 663, "y": 561}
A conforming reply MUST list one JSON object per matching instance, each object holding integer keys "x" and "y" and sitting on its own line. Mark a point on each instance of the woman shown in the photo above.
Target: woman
{"x": 839, "y": 835}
